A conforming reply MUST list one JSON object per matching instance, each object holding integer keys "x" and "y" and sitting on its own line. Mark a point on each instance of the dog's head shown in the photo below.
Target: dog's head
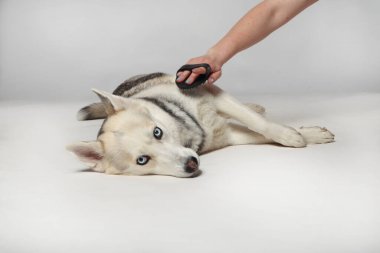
{"x": 133, "y": 142}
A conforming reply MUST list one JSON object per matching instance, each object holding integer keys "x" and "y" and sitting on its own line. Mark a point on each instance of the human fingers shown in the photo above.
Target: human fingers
{"x": 199, "y": 71}
{"x": 195, "y": 73}
{"x": 181, "y": 76}
{"x": 191, "y": 78}
{"x": 214, "y": 76}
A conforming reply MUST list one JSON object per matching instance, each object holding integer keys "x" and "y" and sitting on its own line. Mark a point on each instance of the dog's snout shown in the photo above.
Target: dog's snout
{"x": 191, "y": 164}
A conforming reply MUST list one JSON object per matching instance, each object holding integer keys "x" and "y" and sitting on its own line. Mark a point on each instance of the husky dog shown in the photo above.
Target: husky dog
{"x": 152, "y": 127}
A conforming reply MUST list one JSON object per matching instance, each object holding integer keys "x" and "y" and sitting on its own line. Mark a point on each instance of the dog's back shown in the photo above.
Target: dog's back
{"x": 154, "y": 85}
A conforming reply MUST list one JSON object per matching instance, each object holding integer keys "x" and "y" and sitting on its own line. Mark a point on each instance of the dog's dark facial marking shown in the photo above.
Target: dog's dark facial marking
{"x": 162, "y": 105}
{"x": 101, "y": 131}
{"x": 188, "y": 144}
{"x": 201, "y": 144}
{"x": 181, "y": 114}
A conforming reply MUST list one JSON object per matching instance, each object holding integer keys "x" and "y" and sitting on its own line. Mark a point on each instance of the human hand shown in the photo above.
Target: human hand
{"x": 190, "y": 76}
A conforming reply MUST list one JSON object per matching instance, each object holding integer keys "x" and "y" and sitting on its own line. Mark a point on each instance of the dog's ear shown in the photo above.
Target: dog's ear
{"x": 89, "y": 152}
{"x": 111, "y": 102}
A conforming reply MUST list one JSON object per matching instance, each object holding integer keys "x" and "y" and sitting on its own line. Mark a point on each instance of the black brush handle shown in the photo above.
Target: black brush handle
{"x": 201, "y": 79}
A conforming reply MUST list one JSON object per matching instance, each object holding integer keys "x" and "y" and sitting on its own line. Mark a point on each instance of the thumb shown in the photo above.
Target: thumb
{"x": 214, "y": 76}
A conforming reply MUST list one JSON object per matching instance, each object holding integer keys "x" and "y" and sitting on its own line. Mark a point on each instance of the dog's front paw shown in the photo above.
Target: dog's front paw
{"x": 316, "y": 135}
{"x": 286, "y": 136}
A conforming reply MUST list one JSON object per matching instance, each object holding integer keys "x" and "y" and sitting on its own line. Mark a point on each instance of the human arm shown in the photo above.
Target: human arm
{"x": 253, "y": 27}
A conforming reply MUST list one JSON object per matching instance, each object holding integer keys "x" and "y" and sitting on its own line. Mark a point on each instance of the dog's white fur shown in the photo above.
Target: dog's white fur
{"x": 127, "y": 134}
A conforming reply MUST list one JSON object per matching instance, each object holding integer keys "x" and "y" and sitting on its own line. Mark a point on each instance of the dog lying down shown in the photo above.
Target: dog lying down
{"x": 152, "y": 127}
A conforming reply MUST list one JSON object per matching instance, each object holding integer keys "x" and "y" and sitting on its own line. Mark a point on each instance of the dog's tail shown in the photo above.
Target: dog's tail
{"x": 92, "y": 111}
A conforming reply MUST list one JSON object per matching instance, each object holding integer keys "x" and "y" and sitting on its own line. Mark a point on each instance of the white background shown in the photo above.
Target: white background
{"x": 322, "y": 68}
{"x": 60, "y": 49}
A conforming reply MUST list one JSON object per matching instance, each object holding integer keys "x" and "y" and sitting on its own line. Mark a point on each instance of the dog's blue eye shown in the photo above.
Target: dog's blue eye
{"x": 157, "y": 133}
{"x": 142, "y": 160}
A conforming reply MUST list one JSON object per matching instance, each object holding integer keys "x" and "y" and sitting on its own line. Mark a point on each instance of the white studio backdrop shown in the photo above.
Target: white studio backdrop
{"x": 60, "y": 49}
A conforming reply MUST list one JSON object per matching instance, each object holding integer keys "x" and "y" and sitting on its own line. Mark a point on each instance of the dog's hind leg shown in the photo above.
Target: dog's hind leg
{"x": 284, "y": 135}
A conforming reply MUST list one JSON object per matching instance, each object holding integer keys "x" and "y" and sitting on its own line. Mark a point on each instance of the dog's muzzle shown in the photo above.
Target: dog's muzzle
{"x": 191, "y": 165}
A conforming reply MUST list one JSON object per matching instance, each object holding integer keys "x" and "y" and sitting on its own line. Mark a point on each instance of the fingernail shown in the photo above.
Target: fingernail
{"x": 189, "y": 81}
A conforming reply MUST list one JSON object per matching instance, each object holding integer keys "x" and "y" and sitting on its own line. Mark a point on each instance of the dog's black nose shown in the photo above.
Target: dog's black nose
{"x": 191, "y": 164}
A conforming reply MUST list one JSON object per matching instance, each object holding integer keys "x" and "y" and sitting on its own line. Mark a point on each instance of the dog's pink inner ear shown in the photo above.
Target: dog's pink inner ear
{"x": 91, "y": 154}
{"x": 87, "y": 151}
